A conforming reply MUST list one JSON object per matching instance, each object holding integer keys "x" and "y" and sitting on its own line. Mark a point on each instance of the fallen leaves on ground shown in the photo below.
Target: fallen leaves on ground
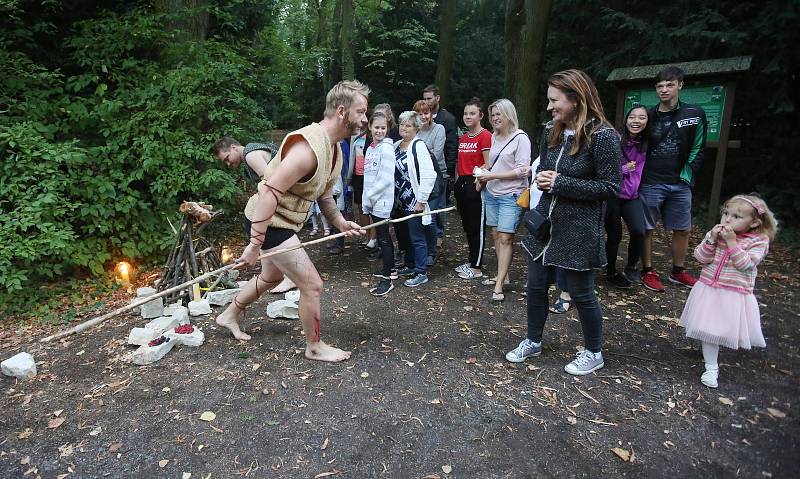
{"x": 208, "y": 416}
{"x": 623, "y": 454}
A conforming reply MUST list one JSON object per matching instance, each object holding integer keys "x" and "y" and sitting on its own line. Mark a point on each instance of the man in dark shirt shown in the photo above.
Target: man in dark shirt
{"x": 674, "y": 155}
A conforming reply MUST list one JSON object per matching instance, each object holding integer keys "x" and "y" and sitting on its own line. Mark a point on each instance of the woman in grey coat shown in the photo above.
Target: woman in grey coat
{"x": 579, "y": 170}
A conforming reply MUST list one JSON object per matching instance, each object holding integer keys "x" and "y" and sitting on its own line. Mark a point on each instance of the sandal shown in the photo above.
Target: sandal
{"x": 561, "y": 306}
{"x": 498, "y": 297}
{"x": 493, "y": 281}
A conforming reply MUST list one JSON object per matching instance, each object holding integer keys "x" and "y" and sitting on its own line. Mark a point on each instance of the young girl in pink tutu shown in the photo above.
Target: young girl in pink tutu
{"x": 721, "y": 309}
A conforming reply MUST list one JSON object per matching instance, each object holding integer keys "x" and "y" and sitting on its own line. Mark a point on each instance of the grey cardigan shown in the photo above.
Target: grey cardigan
{"x": 574, "y": 204}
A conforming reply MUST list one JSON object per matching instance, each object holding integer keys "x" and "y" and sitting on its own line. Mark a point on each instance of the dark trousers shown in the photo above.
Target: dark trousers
{"x": 581, "y": 288}
{"x": 633, "y": 214}
{"x": 411, "y": 238}
{"x": 385, "y": 244}
{"x": 469, "y": 204}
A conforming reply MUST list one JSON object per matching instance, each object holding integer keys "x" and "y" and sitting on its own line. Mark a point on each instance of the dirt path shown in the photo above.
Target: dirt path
{"x": 426, "y": 394}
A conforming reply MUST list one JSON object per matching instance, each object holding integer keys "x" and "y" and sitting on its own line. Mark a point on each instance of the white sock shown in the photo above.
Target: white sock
{"x": 710, "y": 355}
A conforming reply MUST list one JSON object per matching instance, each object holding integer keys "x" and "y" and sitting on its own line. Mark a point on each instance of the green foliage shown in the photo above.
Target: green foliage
{"x": 95, "y": 161}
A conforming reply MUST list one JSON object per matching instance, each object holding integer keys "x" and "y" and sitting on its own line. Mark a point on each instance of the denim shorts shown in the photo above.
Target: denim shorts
{"x": 671, "y": 203}
{"x": 502, "y": 211}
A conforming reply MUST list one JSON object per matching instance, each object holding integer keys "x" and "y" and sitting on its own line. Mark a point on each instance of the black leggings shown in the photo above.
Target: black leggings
{"x": 385, "y": 244}
{"x": 632, "y": 212}
{"x": 469, "y": 204}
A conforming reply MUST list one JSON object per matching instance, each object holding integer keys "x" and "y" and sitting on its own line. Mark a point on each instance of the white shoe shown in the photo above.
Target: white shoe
{"x": 462, "y": 268}
{"x": 584, "y": 363}
{"x": 709, "y": 378}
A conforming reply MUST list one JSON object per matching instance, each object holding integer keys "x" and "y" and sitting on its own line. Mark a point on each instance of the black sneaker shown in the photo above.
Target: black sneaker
{"x": 633, "y": 275}
{"x": 383, "y": 288}
{"x": 618, "y": 281}
{"x": 407, "y": 272}
{"x": 392, "y": 274}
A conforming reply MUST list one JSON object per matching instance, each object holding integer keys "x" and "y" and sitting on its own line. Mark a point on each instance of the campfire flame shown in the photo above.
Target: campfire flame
{"x": 227, "y": 255}
{"x": 124, "y": 271}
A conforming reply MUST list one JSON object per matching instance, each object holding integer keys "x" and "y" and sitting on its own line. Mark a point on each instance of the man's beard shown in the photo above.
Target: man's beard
{"x": 352, "y": 126}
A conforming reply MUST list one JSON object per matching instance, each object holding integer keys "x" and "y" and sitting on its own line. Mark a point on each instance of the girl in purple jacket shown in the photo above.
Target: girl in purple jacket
{"x": 628, "y": 206}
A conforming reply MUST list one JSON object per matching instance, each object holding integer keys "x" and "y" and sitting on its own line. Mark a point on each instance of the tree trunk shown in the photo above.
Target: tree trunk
{"x": 447, "y": 28}
{"x": 529, "y": 69}
{"x": 334, "y": 42}
{"x": 192, "y": 26}
{"x": 515, "y": 20}
{"x": 346, "y": 45}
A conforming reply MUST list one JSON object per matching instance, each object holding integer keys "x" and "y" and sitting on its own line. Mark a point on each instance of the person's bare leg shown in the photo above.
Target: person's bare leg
{"x": 297, "y": 266}
{"x": 505, "y": 249}
{"x": 680, "y": 247}
{"x": 647, "y": 250}
{"x": 258, "y": 284}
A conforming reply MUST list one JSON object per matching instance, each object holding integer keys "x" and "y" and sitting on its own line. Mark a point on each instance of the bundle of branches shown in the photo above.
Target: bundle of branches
{"x": 192, "y": 255}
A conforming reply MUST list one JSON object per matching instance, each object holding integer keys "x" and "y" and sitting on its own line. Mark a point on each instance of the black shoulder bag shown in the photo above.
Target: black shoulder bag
{"x": 538, "y": 224}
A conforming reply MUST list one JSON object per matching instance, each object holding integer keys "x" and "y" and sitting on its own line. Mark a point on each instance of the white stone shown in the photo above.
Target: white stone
{"x": 150, "y": 354}
{"x": 222, "y": 297}
{"x": 181, "y": 314}
{"x": 159, "y": 325}
{"x": 193, "y": 339}
{"x": 283, "y": 309}
{"x": 171, "y": 308}
{"x": 20, "y": 365}
{"x": 139, "y": 336}
{"x": 293, "y": 295}
{"x": 152, "y": 309}
{"x": 198, "y": 308}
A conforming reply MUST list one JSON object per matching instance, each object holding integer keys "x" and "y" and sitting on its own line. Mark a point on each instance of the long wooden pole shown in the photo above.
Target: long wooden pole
{"x": 95, "y": 321}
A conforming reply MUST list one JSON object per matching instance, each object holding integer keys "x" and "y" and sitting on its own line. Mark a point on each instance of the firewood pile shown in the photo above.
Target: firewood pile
{"x": 192, "y": 255}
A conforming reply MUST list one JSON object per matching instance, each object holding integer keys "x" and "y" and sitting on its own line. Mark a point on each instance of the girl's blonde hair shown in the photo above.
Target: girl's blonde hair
{"x": 768, "y": 225}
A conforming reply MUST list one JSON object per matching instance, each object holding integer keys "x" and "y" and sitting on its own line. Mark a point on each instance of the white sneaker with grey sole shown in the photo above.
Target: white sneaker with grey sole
{"x": 584, "y": 363}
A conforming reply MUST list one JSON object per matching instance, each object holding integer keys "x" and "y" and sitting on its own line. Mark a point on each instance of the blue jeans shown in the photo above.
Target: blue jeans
{"x": 581, "y": 288}
{"x": 417, "y": 254}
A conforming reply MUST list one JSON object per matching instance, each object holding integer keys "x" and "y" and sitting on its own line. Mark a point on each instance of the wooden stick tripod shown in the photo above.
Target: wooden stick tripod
{"x": 95, "y": 321}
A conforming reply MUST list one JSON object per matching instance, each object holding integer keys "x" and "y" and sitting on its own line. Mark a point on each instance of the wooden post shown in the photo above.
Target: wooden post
{"x": 722, "y": 152}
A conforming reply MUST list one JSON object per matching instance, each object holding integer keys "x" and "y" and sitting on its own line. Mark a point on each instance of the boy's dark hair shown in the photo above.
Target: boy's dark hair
{"x": 431, "y": 88}
{"x": 670, "y": 73}
{"x": 223, "y": 144}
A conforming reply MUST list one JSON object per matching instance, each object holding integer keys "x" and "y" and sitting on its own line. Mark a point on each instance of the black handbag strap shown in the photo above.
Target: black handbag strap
{"x": 504, "y": 147}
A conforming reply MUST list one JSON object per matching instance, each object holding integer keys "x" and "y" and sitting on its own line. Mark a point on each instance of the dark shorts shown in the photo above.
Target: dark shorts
{"x": 275, "y": 236}
{"x": 357, "y": 182}
{"x": 672, "y": 203}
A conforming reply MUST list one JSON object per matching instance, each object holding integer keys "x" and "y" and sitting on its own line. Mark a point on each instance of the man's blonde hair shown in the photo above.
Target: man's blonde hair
{"x": 343, "y": 94}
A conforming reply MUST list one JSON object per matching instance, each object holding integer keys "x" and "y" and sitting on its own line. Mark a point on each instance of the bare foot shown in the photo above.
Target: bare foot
{"x": 323, "y": 352}
{"x": 284, "y": 286}
{"x": 229, "y": 320}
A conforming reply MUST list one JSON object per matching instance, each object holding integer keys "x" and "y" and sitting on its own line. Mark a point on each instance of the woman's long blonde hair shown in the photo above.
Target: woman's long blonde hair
{"x": 589, "y": 115}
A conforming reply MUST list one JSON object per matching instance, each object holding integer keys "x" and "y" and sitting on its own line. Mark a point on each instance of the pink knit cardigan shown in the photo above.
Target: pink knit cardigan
{"x": 732, "y": 268}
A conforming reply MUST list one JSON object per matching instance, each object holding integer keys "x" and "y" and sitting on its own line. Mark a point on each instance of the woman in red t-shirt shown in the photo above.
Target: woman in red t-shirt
{"x": 473, "y": 150}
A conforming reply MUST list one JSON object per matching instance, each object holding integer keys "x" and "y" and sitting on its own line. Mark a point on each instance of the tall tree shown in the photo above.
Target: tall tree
{"x": 447, "y": 28}
{"x": 526, "y": 37}
{"x": 189, "y": 17}
{"x": 346, "y": 40}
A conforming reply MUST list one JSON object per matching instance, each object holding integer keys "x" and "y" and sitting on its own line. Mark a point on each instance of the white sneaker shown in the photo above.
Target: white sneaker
{"x": 709, "y": 378}
{"x": 526, "y": 349}
{"x": 584, "y": 363}
{"x": 462, "y": 268}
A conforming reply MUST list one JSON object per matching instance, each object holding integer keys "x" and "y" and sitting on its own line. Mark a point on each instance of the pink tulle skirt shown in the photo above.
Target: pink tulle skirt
{"x": 722, "y": 316}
